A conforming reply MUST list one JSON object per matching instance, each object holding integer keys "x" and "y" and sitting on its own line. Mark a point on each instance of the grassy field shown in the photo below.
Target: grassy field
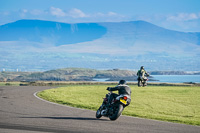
{"x": 167, "y": 103}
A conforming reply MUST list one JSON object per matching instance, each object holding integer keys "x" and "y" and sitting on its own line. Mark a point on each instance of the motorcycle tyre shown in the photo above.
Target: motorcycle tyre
{"x": 144, "y": 83}
{"x": 117, "y": 113}
{"x": 98, "y": 113}
{"x": 139, "y": 83}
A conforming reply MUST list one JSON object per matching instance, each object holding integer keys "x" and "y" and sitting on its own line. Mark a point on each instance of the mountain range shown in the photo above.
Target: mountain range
{"x": 37, "y": 45}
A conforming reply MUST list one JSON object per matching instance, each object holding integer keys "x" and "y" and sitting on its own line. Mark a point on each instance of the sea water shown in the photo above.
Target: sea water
{"x": 167, "y": 78}
{"x": 176, "y": 78}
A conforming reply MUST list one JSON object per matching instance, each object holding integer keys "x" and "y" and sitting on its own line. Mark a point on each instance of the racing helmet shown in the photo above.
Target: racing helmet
{"x": 121, "y": 82}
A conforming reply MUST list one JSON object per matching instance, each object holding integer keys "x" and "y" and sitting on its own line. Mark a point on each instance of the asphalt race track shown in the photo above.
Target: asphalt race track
{"x": 22, "y": 112}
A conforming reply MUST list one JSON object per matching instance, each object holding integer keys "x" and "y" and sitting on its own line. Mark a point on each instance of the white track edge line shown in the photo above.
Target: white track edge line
{"x": 35, "y": 94}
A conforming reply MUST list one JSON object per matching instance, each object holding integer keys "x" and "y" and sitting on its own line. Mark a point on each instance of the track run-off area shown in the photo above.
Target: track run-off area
{"x": 21, "y": 111}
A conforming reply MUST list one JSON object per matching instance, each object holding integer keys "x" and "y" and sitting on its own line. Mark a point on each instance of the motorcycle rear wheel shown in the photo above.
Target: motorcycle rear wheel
{"x": 116, "y": 112}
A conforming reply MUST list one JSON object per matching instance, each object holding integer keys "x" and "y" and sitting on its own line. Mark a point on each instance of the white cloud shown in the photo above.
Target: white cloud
{"x": 109, "y": 14}
{"x": 36, "y": 12}
{"x": 180, "y": 21}
{"x": 183, "y": 17}
{"x": 108, "y": 17}
{"x": 112, "y": 14}
{"x": 23, "y": 13}
{"x": 5, "y": 13}
{"x": 76, "y": 13}
{"x": 186, "y": 22}
{"x": 57, "y": 12}
{"x": 24, "y": 10}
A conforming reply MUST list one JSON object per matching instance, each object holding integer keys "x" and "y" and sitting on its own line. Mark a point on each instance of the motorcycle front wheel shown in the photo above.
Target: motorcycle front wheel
{"x": 116, "y": 112}
{"x": 98, "y": 113}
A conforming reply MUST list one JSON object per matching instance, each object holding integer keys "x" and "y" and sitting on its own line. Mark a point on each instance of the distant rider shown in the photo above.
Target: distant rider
{"x": 141, "y": 75}
{"x": 122, "y": 89}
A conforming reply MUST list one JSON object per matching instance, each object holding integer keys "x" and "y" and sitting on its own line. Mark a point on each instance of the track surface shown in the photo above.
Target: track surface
{"x": 22, "y": 112}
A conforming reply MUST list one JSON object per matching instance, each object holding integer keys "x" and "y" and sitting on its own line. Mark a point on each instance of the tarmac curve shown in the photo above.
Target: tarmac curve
{"x": 22, "y": 112}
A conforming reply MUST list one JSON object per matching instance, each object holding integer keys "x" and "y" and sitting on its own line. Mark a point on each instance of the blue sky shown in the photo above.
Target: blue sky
{"x": 180, "y": 15}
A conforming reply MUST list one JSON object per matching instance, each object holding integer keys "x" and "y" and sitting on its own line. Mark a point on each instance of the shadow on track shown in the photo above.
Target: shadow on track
{"x": 69, "y": 118}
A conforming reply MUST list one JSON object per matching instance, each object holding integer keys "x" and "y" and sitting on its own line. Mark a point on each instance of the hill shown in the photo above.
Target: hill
{"x": 83, "y": 74}
{"x": 37, "y": 45}
{"x": 69, "y": 74}
{"x": 52, "y": 33}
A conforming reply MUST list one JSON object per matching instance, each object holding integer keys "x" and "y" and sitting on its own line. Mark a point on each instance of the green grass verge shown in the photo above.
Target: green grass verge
{"x": 167, "y": 103}
{"x": 9, "y": 83}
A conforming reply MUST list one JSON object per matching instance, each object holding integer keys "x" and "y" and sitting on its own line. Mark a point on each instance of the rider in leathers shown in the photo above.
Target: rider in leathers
{"x": 141, "y": 75}
{"x": 141, "y": 72}
{"x": 123, "y": 89}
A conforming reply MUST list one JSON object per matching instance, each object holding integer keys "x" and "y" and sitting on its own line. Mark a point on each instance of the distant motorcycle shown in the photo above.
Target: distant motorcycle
{"x": 142, "y": 81}
{"x": 114, "y": 109}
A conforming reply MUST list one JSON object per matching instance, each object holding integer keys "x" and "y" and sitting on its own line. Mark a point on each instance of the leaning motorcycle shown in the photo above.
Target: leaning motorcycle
{"x": 142, "y": 81}
{"x": 114, "y": 109}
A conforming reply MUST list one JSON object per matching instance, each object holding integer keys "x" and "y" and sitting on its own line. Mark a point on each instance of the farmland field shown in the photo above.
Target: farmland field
{"x": 167, "y": 103}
